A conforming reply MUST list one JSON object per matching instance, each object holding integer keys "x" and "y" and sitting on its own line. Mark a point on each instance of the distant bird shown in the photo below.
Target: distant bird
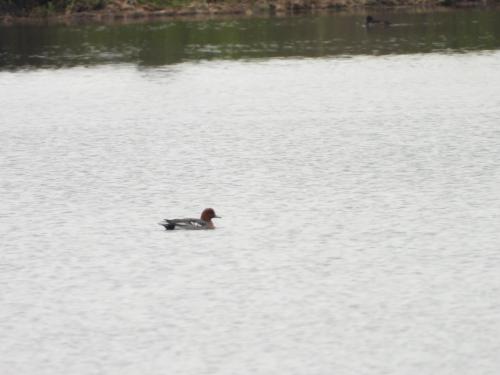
{"x": 204, "y": 222}
{"x": 370, "y": 21}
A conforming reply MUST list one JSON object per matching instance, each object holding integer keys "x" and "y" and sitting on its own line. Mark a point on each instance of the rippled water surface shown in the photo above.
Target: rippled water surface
{"x": 360, "y": 205}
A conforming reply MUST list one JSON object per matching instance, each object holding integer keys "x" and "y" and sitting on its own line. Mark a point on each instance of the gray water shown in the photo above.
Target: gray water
{"x": 360, "y": 205}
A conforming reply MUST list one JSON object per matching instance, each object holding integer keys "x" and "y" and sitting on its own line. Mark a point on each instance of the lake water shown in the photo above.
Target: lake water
{"x": 357, "y": 173}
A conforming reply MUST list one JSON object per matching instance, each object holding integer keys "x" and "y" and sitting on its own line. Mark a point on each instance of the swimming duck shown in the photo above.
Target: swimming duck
{"x": 204, "y": 222}
{"x": 372, "y": 21}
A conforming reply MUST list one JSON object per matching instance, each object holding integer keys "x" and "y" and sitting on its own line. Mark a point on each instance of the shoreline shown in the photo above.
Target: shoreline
{"x": 123, "y": 11}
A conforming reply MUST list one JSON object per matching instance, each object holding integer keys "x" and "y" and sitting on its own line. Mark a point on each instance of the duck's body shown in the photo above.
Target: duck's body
{"x": 188, "y": 223}
{"x": 370, "y": 21}
{"x": 204, "y": 222}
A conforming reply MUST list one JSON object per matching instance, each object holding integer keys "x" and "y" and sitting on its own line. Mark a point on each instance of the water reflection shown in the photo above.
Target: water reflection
{"x": 173, "y": 41}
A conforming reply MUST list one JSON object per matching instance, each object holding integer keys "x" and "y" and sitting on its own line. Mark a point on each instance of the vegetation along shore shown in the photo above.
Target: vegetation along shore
{"x": 11, "y": 10}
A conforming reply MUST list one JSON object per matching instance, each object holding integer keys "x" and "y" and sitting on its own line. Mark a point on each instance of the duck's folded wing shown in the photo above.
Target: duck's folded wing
{"x": 188, "y": 223}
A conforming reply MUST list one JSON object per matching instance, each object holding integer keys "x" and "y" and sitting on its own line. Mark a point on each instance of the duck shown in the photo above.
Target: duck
{"x": 204, "y": 222}
{"x": 372, "y": 21}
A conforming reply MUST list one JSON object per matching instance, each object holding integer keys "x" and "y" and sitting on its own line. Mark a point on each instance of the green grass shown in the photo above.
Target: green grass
{"x": 165, "y": 3}
{"x": 49, "y": 7}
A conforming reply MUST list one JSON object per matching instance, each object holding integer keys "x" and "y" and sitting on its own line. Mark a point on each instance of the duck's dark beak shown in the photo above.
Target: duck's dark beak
{"x": 218, "y": 217}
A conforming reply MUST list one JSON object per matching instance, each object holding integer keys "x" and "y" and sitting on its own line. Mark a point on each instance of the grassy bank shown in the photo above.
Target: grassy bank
{"x": 49, "y": 7}
{"x": 147, "y": 8}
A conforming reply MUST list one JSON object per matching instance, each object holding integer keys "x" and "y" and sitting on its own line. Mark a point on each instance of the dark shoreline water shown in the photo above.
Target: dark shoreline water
{"x": 165, "y": 42}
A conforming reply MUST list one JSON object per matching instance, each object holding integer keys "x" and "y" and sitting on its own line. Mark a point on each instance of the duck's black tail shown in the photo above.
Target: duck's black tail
{"x": 168, "y": 226}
